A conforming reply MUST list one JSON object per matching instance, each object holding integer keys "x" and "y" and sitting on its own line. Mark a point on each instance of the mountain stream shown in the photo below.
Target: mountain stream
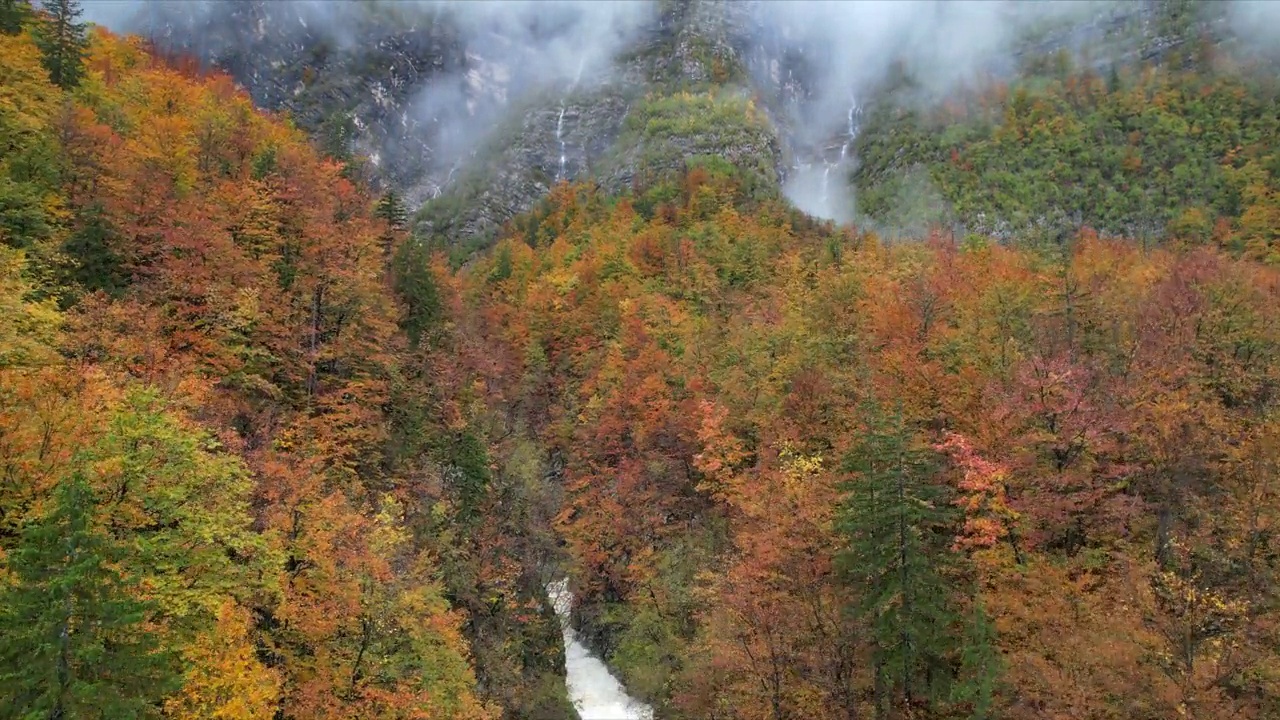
{"x": 595, "y": 692}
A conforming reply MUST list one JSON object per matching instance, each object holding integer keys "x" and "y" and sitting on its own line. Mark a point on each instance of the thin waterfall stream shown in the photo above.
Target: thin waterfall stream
{"x": 819, "y": 183}
{"x": 577, "y": 78}
{"x": 560, "y": 139}
{"x": 594, "y": 691}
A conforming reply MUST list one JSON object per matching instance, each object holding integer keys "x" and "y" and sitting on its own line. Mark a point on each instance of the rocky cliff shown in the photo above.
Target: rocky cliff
{"x": 474, "y": 115}
{"x": 454, "y": 118}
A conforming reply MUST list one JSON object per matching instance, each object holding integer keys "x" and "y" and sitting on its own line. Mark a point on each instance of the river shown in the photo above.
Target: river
{"x": 595, "y": 692}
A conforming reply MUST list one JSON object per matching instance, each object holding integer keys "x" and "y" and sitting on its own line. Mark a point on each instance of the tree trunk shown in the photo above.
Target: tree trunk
{"x": 64, "y": 656}
{"x": 904, "y": 636}
{"x": 315, "y": 338}
{"x": 878, "y": 691}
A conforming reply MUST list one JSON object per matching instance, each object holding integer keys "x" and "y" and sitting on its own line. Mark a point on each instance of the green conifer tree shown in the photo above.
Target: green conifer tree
{"x": 13, "y": 14}
{"x": 63, "y": 39}
{"x": 980, "y": 666}
{"x": 896, "y": 521}
{"x": 74, "y": 646}
{"x": 416, "y": 286}
{"x": 391, "y": 209}
{"x": 95, "y": 266}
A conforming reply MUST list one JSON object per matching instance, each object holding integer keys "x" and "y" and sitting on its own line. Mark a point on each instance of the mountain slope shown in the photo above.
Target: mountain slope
{"x": 809, "y": 475}
{"x": 309, "y": 458}
{"x": 441, "y": 107}
{"x": 215, "y": 391}
{"x": 1153, "y": 153}
{"x": 484, "y": 112}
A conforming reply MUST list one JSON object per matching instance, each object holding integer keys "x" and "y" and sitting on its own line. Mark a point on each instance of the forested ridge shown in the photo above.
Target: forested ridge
{"x": 1181, "y": 150}
{"x": 224, "y": 463}
{"x": 809, "y": 474}
{"x": 265, "y": 454}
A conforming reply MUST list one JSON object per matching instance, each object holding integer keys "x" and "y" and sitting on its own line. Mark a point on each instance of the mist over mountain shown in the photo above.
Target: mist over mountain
{"x": 431, "y": 92}
{"x": 673, "y": 360}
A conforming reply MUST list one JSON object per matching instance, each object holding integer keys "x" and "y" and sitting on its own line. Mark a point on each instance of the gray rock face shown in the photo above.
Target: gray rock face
{"x": 535, "y": 148}
{"x": 455, "y": 117}
{"x": 477, "y": 116}
{"x": 345, "y": 73}
{"x": 677, "y": 91}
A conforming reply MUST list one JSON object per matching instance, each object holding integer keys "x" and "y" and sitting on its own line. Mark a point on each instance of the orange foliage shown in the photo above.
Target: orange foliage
{"x": 254, "y": 298}
{"x": 1083, "y": 405}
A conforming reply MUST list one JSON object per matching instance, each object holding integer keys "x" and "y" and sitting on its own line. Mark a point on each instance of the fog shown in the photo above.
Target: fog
{"x": 835, "y": 51}
{"x": 542, "y": 40}
{"x": 1257, "y": 22}
{"x": 512, "y": 49}
{"x": 852, "y": 45}
{"x": 518, "y": 49}
{"x": 845, "y": 50}
{"x": 848, "y": 48}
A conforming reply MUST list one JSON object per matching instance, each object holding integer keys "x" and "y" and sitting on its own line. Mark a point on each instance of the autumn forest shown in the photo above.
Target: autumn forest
{"x": 268, "y": 453}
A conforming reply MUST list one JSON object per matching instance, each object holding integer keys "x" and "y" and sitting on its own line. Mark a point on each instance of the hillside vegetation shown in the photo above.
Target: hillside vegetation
{"x": 1152, "y": 153}
{"x": 230, "y": 490}
{"x": 809, "y": 475}
{"x": 265, "y": 455}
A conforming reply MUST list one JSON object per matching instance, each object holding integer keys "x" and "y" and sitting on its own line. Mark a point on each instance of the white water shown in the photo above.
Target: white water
{"x": 595, "y": 692}
{"x": 560, "y": 139}
{"x": 851, "y": 134}
{"x": 560, "y": 174}
{"x": 439, "y": 190}
{"x": 812, "y": 191}
{"x": 851, "y": 127}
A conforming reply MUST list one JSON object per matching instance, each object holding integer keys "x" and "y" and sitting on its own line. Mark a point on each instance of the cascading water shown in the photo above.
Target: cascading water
{"x": 560, "y": 173}
{"x": 439, "y": 190}
{"x": 812, "y": 191}
{"x": 594, "y": 691}
{"x": 560, "y": 139}
{"x": 851, "y": 127}
{"x": 851, "y": 134}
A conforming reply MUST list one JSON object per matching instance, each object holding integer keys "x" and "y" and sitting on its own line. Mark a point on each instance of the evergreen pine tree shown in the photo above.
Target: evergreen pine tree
{"x": 896, "y": 522}
{"x": 13, "y": 13}
{"x": 63, "y": 39}
{"x": 980, "y": 665}
{"x": 391, "y": 209}
{"x": 74, "y": 645}
{"x": 416, "y": 286}
{"x": 96, "y": 265}
{"x": 469, "y": 474}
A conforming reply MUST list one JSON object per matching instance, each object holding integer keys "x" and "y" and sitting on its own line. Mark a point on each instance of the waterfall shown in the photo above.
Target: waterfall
{"x": 810, "y": 184}
{"x": 850, "y": 134}
{"x": 851, "y": 127}
{"x": 560, "y": 139}
{"x": 439, "y": 189}
{"x": 595, "y": 692}
{"x": 560, "y": 173}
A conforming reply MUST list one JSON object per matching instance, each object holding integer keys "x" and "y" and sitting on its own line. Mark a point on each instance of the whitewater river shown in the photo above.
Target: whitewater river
{"x": 593, "y": 689}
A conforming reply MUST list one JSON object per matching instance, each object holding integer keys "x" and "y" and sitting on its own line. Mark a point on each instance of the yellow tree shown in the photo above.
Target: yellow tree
{"x": 226, "y": 680}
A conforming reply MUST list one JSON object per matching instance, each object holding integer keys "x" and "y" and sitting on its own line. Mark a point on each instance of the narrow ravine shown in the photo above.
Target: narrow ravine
{"x": 595, "y": 692}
